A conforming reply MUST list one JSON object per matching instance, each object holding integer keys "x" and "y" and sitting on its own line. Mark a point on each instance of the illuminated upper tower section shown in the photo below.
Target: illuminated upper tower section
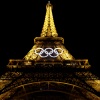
{"x": 49, "y": 29}
{"x": 48, "y": 47}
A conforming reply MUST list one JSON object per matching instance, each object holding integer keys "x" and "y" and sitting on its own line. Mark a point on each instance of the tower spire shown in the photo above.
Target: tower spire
{"x": 48, "y": 2}
{"x": 49, "y": 29}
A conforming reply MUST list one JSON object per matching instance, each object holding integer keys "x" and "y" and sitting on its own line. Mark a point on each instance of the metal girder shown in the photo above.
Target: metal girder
{"x": 10, "y": 85}
{"x": 44, "y": 76}
{"x": 18, "y": 63}
{"x": 69, "y": 89}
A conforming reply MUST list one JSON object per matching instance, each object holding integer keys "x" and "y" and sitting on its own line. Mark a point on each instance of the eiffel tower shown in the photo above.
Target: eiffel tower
{"x": 49, "y": 71}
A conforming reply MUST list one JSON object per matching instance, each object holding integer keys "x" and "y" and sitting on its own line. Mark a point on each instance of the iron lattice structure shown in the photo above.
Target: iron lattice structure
{"x": 49, "y": 68}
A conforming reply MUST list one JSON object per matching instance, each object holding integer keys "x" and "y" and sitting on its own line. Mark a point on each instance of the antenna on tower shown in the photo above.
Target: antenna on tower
{"x": 49, "y": 2}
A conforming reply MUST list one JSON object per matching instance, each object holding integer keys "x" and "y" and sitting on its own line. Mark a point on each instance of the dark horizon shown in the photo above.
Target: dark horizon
{"x": 76, "y": 22}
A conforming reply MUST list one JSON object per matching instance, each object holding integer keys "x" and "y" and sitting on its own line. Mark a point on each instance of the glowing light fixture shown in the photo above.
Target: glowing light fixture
{"x": 48, "y": 52}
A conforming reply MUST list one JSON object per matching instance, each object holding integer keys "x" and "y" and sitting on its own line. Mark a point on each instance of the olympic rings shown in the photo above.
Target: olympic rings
{"x": 48, "y": 52}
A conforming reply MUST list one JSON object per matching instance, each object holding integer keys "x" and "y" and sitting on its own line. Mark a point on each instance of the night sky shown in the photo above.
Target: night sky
{"x": 76, "y": 22}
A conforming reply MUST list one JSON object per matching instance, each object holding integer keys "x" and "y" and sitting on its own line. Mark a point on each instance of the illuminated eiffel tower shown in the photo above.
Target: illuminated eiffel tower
{"x": 49, "y": 71}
